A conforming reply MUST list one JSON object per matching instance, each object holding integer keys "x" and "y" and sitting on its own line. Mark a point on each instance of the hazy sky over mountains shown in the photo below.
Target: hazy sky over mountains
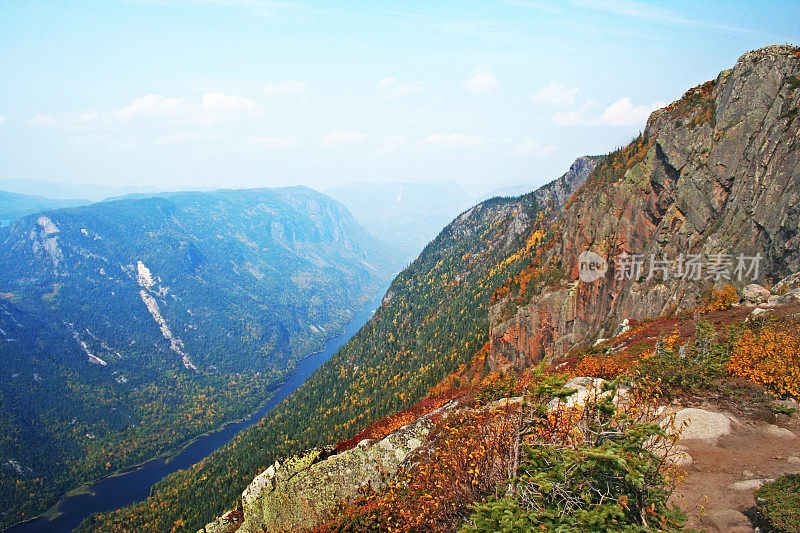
{"x": 224, "y": 93}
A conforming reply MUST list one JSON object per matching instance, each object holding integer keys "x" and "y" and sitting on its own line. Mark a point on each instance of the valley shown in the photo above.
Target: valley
{"x": 132, "y": 326}
{"x": 495, "y": 301}
{"x": 400, "y": 267}
{"x": 133, "y": 485}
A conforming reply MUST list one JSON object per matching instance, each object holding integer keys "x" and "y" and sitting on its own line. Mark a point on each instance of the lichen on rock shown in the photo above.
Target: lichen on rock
{"x": 295, "y": 494}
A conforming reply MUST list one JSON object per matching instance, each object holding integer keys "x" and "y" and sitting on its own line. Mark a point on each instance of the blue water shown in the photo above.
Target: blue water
{"x": 134, "y": 485}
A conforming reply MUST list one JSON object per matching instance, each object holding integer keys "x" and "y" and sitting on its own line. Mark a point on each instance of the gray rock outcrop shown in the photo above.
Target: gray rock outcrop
{"x": 715, "y": 175}
{"x": 295, "y": 494}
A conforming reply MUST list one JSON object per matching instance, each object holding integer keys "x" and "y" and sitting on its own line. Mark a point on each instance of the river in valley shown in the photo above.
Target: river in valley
{"x": 133, "y": 485}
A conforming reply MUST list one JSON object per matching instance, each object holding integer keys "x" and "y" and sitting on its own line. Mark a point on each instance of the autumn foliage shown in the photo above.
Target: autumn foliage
{"x": 696, "y": 107}
{"x": 603, "y": 365}
{"x": 462, "y": 463}
{"x": 770, "y": 356}
{"x": 472, "y": 455}
{"x": 718, "y": 299}
{"x": 382, "y": 428}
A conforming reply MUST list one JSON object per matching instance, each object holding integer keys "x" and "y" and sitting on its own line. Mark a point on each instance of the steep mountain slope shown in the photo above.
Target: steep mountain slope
{"x": 433, "y": 319}
{"x": 715, "y": 175}
{"x": 128, "y": 326}
{"x": 406, "y": 216}
{"x": 13, "y": 205}
{"x": 713, "y": 181}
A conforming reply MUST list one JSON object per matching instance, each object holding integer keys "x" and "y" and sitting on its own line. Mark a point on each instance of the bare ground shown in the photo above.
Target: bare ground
{"x": 717, "y": 493}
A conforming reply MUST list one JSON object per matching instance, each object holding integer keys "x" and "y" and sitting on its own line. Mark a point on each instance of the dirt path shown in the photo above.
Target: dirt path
{"x": 717, "y": 494}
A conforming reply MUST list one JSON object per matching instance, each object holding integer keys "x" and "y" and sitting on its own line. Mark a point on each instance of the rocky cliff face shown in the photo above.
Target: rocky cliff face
{"x": 715, "y": 175}
{"x": 294, "y": 495}
{"x": 561, "y": 190}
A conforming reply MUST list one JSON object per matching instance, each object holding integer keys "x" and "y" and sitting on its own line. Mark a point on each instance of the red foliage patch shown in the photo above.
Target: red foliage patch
{"x": 382, "y": 428}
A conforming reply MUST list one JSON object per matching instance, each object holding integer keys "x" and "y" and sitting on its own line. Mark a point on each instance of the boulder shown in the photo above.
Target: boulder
{"x": 701, "y": 425}
{"x": 755, "y": 294}
{"x": 295, "y": 495}
{"x": 782, "y": 433}
{"x": 791, "y": 403}
{"x": 750, "y": 484}
{"x": 681, "y": 456}
{"x": 789, "y": 297}
{"x": 586, "y": 389}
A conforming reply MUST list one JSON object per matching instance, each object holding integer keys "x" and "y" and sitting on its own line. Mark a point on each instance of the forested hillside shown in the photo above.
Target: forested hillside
{"x": 712, "y": 180}
{"x": 433, "y": 319}
{"x": 127, "y": 327}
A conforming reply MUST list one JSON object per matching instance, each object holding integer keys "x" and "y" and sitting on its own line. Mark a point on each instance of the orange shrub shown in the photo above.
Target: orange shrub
{"x": 770, "y": 357}
{"x": 463, "y": 461}
{"x": 603, "y": 366}
{"x": 718, "y": 299}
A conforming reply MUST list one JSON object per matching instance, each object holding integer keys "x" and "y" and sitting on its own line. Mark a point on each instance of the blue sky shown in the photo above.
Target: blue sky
{"x": 230, "y": 93}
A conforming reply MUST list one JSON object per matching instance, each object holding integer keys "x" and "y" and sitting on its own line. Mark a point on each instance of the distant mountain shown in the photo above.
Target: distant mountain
{"x": 432, "y": 319}
{"x": 67, "y": 191}
{"x": 13, "y": 205}
{"x": 714, "y": 180}
{"x": 406, "y": 216}
{"x": 127, "y": 327}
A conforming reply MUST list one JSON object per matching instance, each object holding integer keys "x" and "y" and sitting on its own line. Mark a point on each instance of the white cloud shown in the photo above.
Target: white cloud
{"x": 218, "y": 102}
{"x": 181, "y": 137}
{"x": 622, "y": 113}
{"x": 386, "y": 82}
{"x": 3, "y": 119}
{"x": 342, "y": 138}
{"x": 482, "y": 81}
{"x": 452, "y": 140}
{"x": 532, "y": 148}
{"x": 286, "y": 88}
{"x": 391, "y": 144}
{"x": 271, "y": 143}
{"x": 555, "y": 93}
{"x": 152, "y": 104}
{"x": 569, "y": 118}
{"x": 42, "y": 120}
{"x": 390, "y": 87}
{"x": 213, "y": 108}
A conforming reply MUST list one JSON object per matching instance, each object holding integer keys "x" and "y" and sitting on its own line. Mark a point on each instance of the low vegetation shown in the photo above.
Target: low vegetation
{"x": 769, "y": 355}
{"x": 519, "y": 466}
{"x": 778, "y": 505}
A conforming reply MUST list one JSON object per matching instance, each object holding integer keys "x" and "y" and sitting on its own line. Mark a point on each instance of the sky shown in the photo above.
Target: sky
{"x": 180, "y": 94}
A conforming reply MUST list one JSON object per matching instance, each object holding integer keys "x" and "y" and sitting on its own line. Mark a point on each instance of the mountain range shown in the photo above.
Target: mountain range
{"x": 715, "y": 177}
{"x": 127, "y": 327}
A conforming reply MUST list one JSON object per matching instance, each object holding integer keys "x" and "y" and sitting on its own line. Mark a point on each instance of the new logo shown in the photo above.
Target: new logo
{"x": 591, "y": 266}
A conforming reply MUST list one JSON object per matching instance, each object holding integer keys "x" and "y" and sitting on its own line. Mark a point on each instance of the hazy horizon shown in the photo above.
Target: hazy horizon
{"x": 206, "y": 94}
